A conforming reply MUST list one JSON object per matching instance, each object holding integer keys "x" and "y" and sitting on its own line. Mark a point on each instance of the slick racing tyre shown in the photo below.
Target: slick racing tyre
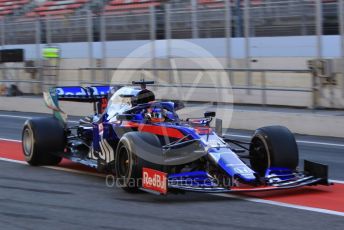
{"x": 273, "y": 146}
{"x": 128, "y": 166}
{"x": 42, "y": 140}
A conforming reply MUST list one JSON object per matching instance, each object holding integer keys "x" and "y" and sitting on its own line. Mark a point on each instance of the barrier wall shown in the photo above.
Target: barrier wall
{"x": 293, "y": 46}
{"x": 301, "y": 83}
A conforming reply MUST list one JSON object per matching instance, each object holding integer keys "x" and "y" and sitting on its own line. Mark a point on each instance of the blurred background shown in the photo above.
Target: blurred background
{"x": 274, "y": 52}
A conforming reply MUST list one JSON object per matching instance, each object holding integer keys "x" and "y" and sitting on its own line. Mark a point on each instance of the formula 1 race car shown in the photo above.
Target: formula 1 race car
{"x": 146, "y": 146}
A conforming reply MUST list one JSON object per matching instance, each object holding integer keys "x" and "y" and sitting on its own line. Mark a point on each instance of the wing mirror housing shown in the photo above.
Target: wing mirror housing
{"x": 178, "y": 105}
{"x": 210, "y": 114}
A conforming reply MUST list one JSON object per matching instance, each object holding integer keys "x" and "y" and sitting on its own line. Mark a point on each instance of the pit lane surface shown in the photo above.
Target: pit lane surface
{"x": 37, "y": 198}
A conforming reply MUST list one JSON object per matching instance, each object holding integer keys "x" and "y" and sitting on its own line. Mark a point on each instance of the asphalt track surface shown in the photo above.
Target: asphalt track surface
{"x": 46, "y": 198}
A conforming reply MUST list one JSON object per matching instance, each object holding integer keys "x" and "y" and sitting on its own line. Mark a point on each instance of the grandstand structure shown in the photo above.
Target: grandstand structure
{"x": 15, "y": 7}
{"x": 55, "y": 21}
{"x": 57, "y": 8}
{"x": 124, "y": 6}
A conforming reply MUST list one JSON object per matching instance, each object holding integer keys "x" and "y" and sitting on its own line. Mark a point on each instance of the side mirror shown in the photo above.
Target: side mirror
{"x": 210, "y": 114}
{"x": 178, "y": 105}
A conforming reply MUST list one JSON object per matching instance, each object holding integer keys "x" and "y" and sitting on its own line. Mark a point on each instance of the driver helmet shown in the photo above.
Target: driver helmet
{"x": 157, "y": 115}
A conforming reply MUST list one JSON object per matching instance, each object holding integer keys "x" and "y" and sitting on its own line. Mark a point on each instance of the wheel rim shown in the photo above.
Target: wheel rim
{"x": 28, "y": 142}
{"x": 259, "y": 156}
{"x": 123, "y": 162}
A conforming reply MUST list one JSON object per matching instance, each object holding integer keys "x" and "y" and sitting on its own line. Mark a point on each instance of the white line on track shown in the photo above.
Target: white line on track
{"x": 320, "y": 143}
{"x": 337, "y": 181}
{"x": 281, "y": 204}
{"x": 13, "y": 116}
{"x": 12, "y": 140}
{"x": 25, "y": 117}
{"x": 75, "y": 171}
{"x": 237, "y": 135}
{"x": 298, "y": 141}
{"x": 56, "y": 168}
{"x": 13, "y": 161}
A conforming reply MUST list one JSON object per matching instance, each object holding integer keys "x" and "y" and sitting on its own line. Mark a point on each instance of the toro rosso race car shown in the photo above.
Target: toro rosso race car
{"x": 146, "y": 146}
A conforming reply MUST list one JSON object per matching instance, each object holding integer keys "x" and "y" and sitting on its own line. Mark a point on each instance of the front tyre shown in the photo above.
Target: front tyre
{"x": 273, "y": 146}
{"x": 128, "y": 166}
{"x": 42, "y": 140}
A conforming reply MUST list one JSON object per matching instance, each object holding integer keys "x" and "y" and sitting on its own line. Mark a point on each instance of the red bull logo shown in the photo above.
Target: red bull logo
{"x": 154, "y": 180}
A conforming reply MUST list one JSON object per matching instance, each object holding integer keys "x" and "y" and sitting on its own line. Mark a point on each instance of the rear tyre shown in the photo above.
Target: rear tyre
{"x": 273, "y": 146}
{"x": 128, "y": 166}
{"x": 42, "y": 140}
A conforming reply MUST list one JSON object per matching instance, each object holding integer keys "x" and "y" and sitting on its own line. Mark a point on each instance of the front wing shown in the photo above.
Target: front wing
{"x": 313, "y": 174}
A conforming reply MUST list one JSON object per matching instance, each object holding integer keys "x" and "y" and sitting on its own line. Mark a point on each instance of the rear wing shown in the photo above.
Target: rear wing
{"x": 98, "y": 95}
{"x": 81, "y": 94}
